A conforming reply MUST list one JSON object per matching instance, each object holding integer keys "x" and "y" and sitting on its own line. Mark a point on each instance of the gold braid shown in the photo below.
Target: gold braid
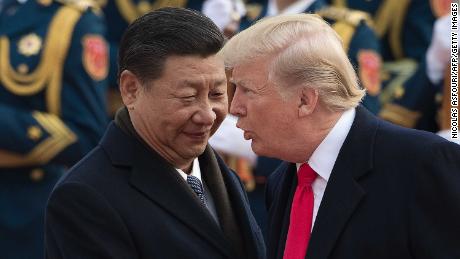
{"x": 131, "y": 11}
{"x": 50, "y": 68}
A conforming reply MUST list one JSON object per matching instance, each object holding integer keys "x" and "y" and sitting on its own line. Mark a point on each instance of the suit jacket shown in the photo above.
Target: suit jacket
{"x": 393, "y": 193}
{"x": 124, "y": 201}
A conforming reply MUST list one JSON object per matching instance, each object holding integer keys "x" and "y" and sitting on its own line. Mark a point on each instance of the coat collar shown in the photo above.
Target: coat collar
{"x": 280, "y": 208}
{"x": 160, "y": 183}
{"x": 342, "y": 195}
{"x": 343, "y": 192}
{"x": 254, "y": 245}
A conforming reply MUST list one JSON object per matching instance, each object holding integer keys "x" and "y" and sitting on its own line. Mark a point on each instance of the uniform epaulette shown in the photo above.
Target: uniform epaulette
{"x": 353, "y": 17}
{"x": 82, "y": 5}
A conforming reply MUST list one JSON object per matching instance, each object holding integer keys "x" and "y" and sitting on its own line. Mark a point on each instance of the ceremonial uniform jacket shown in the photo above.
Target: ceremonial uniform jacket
{"x": 53, "y": 65}
{"x": 405, "y": 30}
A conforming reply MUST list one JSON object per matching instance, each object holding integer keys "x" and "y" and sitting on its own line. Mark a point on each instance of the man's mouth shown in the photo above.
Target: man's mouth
{"x": 198, "y": 135}
{"x": 248, "y": 135}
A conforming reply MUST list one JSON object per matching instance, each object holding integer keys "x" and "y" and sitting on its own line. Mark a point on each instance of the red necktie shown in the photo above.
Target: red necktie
{"x": 301, "y": 215}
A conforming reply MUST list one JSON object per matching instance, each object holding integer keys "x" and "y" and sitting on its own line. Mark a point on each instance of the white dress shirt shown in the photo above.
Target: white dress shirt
{"x": 323, "y": 158}
{"x": 196, "y": 171}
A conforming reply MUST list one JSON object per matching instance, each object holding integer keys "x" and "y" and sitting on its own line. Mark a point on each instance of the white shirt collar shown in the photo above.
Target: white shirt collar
{"x": 196, "y": 171}
{"x": 323, "y": 158}
{"x": 295, "y": 8}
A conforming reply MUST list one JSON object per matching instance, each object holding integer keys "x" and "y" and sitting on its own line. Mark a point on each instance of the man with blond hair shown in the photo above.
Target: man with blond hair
{"x": 353, "y": 186}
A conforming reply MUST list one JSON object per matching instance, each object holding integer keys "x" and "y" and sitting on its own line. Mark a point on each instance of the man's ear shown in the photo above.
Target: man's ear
{"x": 230, "y": 87}
{"x": 308, "y": 100}
{"x": 130, "y": 86}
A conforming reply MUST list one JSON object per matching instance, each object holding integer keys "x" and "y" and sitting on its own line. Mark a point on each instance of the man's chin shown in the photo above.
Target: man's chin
{"x": 256, "y": 149}
{"x": 195, "y": 150}
{"x": 259, "y": 150}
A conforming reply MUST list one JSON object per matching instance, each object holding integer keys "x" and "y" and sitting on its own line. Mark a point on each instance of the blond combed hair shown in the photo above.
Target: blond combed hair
{"x": 306, "y": 52}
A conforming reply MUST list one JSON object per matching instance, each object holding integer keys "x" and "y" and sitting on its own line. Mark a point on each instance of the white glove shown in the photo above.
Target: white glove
{"x": 438, "y": 54}
{"x": 221, "y": 11}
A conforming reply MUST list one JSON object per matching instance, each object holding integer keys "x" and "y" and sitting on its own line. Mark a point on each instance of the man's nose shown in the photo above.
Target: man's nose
{"x": 206, "y": 115}
{"x": 236, "y": 107}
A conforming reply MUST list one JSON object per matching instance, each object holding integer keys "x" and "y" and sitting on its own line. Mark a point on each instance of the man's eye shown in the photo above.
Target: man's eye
{"x": 217, "y": 94}
{"x": 246, "y": 90}
{"x": 188, "y": 98}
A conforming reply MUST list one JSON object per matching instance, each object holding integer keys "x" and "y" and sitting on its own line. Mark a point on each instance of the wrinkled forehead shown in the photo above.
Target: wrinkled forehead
{"x": 193, "y": 70}
{"x": 254, "y": 71}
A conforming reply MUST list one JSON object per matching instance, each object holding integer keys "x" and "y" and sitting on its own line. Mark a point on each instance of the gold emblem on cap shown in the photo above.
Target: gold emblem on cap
{"x": 30, "y": 45}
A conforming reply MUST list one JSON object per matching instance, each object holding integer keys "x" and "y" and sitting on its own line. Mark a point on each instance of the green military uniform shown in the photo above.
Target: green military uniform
{"x": 53, "y": 67}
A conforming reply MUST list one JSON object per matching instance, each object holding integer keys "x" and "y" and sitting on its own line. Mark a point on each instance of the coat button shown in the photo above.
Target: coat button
{"x": 37, "y": 175}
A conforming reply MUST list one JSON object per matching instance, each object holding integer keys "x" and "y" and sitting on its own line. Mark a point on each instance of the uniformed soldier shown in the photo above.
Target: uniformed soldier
{"x": 53, "y": 69}
{"x": 404, "y": 28}
{"x": 361, "y": 44}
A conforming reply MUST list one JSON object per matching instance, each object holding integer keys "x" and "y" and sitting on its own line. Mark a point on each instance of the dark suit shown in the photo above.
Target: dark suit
{"x": 124, "y": 201}
{"x": 393, "y": 193}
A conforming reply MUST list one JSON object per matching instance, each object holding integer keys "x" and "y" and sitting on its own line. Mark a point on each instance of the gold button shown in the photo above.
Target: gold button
{"x": 34, "y": 133}
{"x": 23, "y": 68}
{"x": 37, "y": 175}
{"x": 399, "y": 92}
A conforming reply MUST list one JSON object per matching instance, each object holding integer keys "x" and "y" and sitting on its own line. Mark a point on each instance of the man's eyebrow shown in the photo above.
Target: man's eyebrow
{"x": 220, "y": 81}
{"x": 237, "y": 82}
{"x": 189, "y": 82}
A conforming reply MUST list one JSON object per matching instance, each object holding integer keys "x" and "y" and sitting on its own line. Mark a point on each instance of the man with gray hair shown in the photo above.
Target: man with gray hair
{"x": 353, "y": 186}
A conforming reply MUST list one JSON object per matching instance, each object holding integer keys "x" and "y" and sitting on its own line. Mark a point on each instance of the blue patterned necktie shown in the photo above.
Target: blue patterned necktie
{"x": 196, "y": 186}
